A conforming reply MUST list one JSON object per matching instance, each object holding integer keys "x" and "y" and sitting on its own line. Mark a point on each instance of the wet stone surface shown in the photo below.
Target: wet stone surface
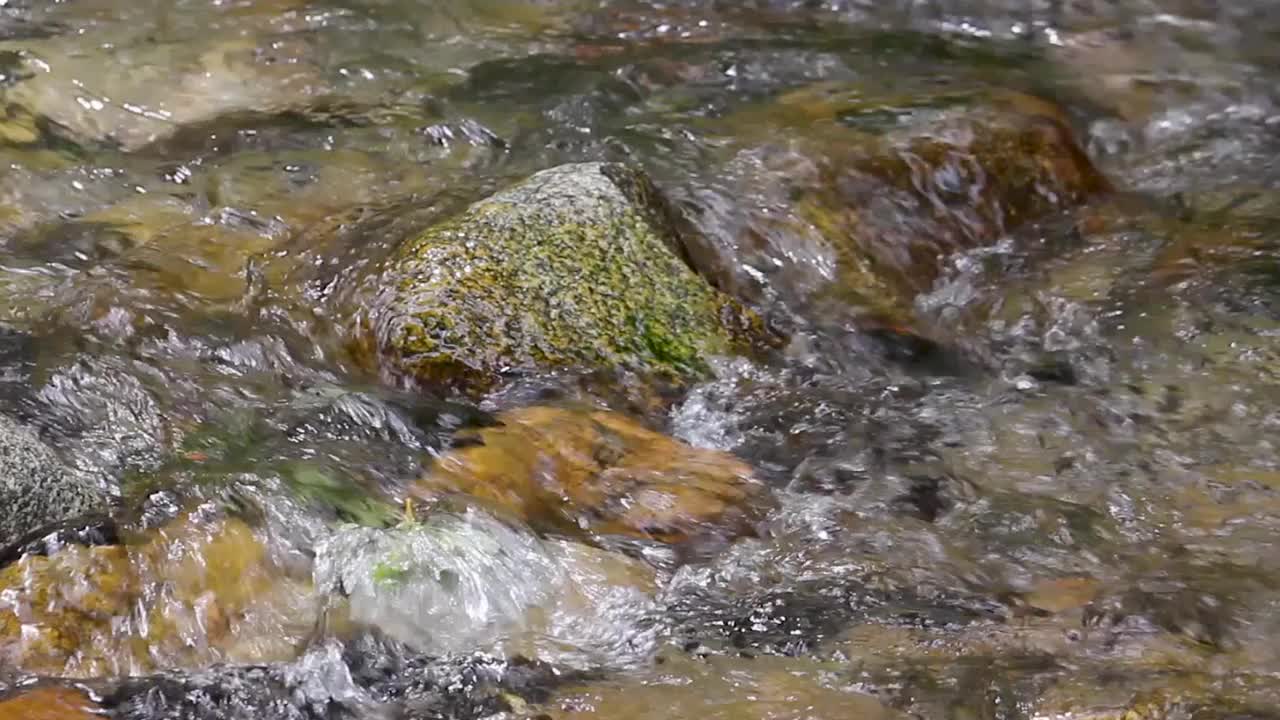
{"x": 576, "y": 266}
{"x": 567, "y": 470}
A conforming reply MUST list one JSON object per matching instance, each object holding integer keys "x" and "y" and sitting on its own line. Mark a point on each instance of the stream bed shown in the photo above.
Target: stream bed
{"x": 609, "y": 359}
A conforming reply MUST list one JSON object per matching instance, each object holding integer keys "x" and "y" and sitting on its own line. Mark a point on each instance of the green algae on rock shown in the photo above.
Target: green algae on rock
{"x": 577, "y": 266}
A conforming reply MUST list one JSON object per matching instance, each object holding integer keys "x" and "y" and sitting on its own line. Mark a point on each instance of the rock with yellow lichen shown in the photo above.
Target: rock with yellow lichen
{"x": 576, "y": 267}
{"x": 193, "y": 593}
{"x": 582, "y": 470}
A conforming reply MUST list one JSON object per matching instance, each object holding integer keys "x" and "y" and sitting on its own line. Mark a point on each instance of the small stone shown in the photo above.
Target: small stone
{"x": 1062, "y": 594}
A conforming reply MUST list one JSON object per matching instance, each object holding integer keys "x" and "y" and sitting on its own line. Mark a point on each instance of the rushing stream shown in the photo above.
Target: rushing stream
{"x": 607, "y": 359}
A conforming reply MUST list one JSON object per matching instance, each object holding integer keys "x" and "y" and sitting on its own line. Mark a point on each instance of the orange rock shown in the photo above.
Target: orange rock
{"x": 191, "y": 593}
{"x": 49, "y": 703}
{"x": 1062, "y": 594}
{"x": 600, "y": 472}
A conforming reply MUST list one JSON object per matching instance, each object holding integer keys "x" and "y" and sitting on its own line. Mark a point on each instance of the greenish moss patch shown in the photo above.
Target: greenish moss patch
{"x": 574, "y": 267}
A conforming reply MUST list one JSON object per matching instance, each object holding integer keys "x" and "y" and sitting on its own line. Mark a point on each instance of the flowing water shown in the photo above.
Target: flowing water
{"x": 1044, "y": 486}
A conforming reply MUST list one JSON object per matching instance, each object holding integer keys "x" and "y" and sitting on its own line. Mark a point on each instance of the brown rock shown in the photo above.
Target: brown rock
{"x": 862, "y": 198}
{"x": 722, "y": 688}
{"x": 49, "y": 703}
{"x": 597, "y": 471}
{"x": 192, "y": 593}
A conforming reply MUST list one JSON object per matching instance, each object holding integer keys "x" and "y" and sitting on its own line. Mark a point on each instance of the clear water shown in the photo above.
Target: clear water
{"x": 1066, "y": 507}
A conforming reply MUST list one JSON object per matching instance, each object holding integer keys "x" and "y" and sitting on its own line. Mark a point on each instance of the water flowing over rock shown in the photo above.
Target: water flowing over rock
{"x": 197, "y": 591}
{"x": 49, "y": 703}
{"x": 873, "y": 194}
{"x": 464, "y": 582}
{"x": 167, "y": 85}
{"x": 471, "y": 276}
{"x": 577, "y": 266}
{"x": 594, "y": 471}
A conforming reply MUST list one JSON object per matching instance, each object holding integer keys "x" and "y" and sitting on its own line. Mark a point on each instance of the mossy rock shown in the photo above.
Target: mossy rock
{"x": 576, "y": 267}
{"x": 572, "y": 470}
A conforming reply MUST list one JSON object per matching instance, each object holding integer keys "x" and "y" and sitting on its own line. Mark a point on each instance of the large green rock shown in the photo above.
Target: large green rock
{"x": 457, "y": 582}
{"x": 577, "y": 266}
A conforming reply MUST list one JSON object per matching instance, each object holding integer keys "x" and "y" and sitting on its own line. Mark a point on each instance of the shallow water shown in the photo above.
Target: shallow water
{"x": 1044, "y": 486}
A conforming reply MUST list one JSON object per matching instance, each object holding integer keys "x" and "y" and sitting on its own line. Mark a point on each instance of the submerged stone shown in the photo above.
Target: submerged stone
{"x": 130, "y": 91}
{"x": 745, "y": 687}
{"x": 596, "y": 471}
{"x": 36, "y": 488}
{"x": 367, "y": 677}
{"x": 193, "y": 593}
{"x": 577, "y": 266}
{"x": 844, "y": 200}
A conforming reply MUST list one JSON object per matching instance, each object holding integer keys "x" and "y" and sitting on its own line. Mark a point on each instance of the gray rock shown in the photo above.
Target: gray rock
{"x": 36, "y": 488}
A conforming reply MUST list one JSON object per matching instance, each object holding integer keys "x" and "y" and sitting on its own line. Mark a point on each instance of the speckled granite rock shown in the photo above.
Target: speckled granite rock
{"x": 36, "y": 488}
